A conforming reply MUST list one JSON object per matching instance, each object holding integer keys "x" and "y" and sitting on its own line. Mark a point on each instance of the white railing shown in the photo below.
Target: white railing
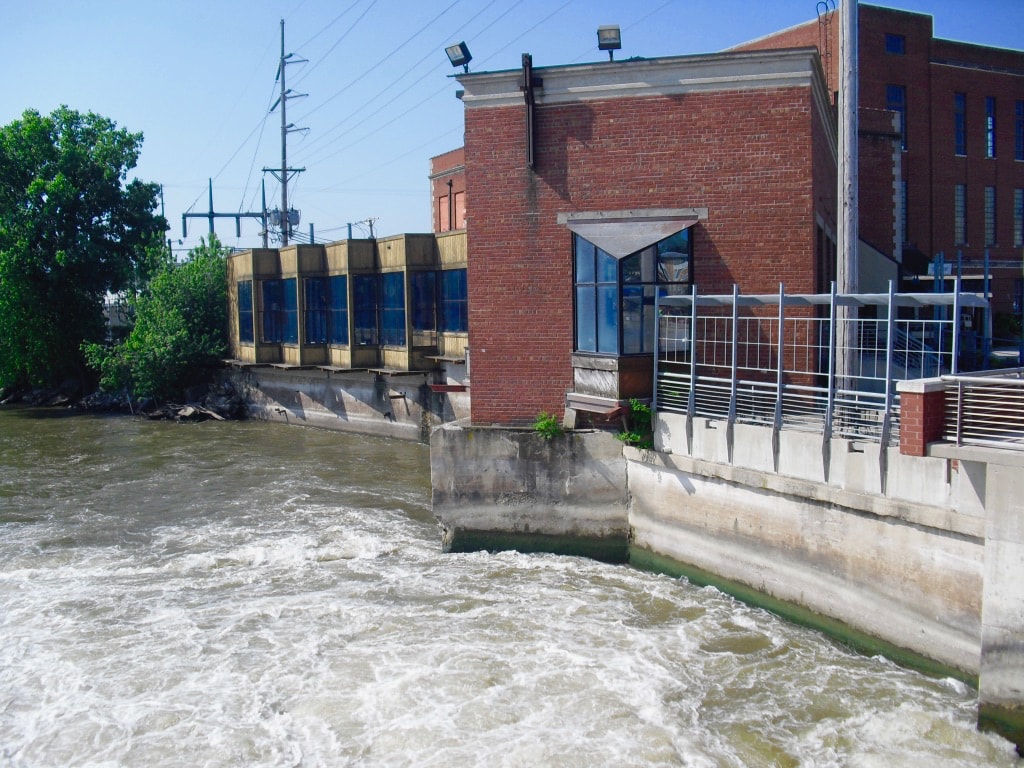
{"x": 986, "y": 409}
{"x": 825, "y": 363}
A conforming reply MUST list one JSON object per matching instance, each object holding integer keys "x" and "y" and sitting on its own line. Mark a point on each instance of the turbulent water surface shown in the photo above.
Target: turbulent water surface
{"x": 246, "y": 594}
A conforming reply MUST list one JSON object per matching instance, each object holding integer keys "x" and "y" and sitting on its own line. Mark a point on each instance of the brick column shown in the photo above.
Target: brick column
{"x": 922, "y": 414}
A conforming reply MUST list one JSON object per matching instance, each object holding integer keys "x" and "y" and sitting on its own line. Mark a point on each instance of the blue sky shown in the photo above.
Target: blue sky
{"x": 197, "y": 79}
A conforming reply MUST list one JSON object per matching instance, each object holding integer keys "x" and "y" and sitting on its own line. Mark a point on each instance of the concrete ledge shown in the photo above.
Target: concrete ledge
{"x": 1005, "y": 457}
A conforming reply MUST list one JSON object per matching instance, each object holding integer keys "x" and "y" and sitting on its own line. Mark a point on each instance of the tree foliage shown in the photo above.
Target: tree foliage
{"x": 180, "y": 329}
{"x": 72, "y": 229}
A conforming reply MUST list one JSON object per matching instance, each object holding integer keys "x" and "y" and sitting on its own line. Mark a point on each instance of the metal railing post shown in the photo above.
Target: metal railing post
{"x": 734, "y": 372}
{"x": 830, "y": 399}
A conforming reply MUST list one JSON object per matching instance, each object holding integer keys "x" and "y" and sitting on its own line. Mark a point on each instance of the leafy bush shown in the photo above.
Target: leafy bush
{"x": 640, "y": 433}
{"x": 180, "y": 329}
{"x": 547, "y": 426}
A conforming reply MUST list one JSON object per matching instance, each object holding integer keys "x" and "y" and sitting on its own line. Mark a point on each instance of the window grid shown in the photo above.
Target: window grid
{"x": 1018, "y": 218}
{"x": 990, "y": 216}
{"x": 246, "y": 334}
{"x": 895, "y": 44}
{"x": 960, "y": 214}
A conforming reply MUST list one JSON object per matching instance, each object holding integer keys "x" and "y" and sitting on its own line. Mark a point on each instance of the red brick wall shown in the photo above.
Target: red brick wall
{"x": 444, "y": 168}
{"x": 746, "y": 156}
{"x": 922, "y": 419}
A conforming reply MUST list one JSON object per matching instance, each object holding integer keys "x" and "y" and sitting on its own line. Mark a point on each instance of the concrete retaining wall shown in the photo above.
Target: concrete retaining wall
{"x": 504, "y": 489}
{"x": 401, "y": 406}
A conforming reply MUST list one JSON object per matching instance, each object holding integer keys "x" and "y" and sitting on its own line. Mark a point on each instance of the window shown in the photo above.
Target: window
{"x": 1019, "y": 151}
{"x": 903, "y": 221}
{"x": 1018, "y": 218}
{"x": 990, "y": 216}
{"x": 316, "y": 294}
{"x": 338, "y": 309}
{"x": 895, "y": 44}
{"x": 454, "y": 301}
{"x": 960, "y": 214}
{"x": 990, "y": 126}
{"x": 245, "y": 314}
{"x": 423, "y": 304}
{"x": 896, "y": 100}
{"x": 960, "y": 123}
{"x": 615, "y": 297}
{"x": 364, "y": 305}
{"x": 280, "y": 312}
{"x": 392, "y": 309}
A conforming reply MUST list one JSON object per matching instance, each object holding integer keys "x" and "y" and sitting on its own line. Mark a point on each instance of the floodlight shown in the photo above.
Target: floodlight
{"x": 609, "y": 39}
{"x": 459, "y": 55}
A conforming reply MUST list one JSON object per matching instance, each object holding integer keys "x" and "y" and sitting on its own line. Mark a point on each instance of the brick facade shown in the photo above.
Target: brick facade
{"x": 760, "y": 160}
{"x": 932, "y": 71}
{"x": 448, "y": 191}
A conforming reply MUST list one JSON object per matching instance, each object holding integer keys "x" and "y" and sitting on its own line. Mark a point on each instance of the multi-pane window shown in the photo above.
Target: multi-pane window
{"x": 245, "y": 314}
{"x": 990, "y": 126}
{"x": 990, "y": 216}
{"x": 280, "y": 311}
{"x": 1019, "y": 134}
{"x": 338, "y": 309}
{"x": 896, "y": 100}
{"x": 364, "y": 308}
{"x": 423, "y": 304}
{"x": 960, "y": 123}
{"x": 615, "y": 297}
{"x": 315, "y": 290}
{"x": 903, "y": 218}
{"x": 896, "y": 44}
{"x": 392, "y": 309}
{"x": 1018, "y": 218}
{"x": 454, "y": 301}
{"x": 960, "y": 214}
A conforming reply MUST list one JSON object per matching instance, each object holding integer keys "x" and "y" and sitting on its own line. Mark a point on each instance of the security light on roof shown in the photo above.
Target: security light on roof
{"x": 609, "y": 39}
{"x": 459, "y": 55}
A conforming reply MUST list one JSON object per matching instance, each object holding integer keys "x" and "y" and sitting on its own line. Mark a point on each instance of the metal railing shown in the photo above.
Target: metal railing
{"x": 986, "y": 409}
{"x": 804, "y": 362}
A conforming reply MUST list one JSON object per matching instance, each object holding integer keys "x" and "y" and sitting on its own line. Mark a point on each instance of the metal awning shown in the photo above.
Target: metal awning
{"x": 622, "y": 233}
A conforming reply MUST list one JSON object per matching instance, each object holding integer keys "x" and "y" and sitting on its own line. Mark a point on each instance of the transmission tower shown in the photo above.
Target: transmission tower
{"x": 287, "y": 218}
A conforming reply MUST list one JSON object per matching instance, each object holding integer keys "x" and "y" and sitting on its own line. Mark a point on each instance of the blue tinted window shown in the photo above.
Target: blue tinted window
{"x": 280, "y": 312}
{"x": 245, "y": 313}
{"x": 960, "y": 123}
{"x": 338, "y": 322}
{"x": 392, "y": 309}
{"x": 315, "y": 289}
{"x": 454, "y": 301}
{"x": 364, "y": 305}
{"x": 896, "y": 100}
{"x": 422, "y": 286}
{"x": 896, "y": 44}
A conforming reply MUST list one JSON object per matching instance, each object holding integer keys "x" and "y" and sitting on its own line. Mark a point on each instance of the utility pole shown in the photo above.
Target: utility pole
{"x": 284, "y": 173}
{"x": 260, "y": 216}
{"x": 847, "y": 277}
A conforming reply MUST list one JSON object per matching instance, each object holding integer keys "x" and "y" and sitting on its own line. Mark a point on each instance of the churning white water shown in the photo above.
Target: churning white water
{"x": 255, "y": 595}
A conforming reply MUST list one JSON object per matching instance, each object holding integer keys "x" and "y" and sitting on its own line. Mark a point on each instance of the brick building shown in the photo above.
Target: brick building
{"x": 960, "y": 108}
{"x": 602, "y": 184}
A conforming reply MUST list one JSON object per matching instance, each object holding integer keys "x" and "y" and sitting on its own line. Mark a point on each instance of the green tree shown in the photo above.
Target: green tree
{"x": 180, "y": 329}
{"x": 72, "y": 230}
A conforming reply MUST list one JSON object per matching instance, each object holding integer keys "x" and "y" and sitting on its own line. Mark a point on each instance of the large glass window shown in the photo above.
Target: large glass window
{"x": 960, "y": 123}
{"x": 454, "y": 301}
{"x": 615, "y": 297}
{"x": 245, "y": 313}
{"x": 364, "y": 305}
{"x": 338, "y": 312}
{"x": 423, "y": 287}
{"x": 315, "y": 291}
{"x": 280, "y": 311}
{"x": 392, "y": 309}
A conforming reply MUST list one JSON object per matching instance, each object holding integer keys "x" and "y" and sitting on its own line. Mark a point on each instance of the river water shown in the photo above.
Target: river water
{"x": 246, "y": 594}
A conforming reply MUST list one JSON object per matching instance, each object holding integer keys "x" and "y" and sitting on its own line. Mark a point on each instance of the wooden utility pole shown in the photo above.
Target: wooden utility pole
{"x": 847, "y": 272}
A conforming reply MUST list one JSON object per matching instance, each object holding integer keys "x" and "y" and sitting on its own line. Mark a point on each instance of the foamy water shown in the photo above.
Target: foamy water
{"x": 257, "y": 595}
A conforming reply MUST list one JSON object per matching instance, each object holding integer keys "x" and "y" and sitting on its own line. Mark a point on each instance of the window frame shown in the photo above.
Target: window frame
{"x": 316, "y": 296}
{"x": 896, "y": 101}
{"x": 613, "y": 307}
{"x": 246, "y": 313}
{"x": 453, "y": 301}
{"x": 959, "y": 214}
{"x": 280, "y": 316}
{"x": 991, "y": 222}
{"x": 960, "y": 124}
{"x": 392, "y": 310}
{"x": 895, "y": 44}
{"x": 337, "y": 309}
{"x": 990, "y": 127}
